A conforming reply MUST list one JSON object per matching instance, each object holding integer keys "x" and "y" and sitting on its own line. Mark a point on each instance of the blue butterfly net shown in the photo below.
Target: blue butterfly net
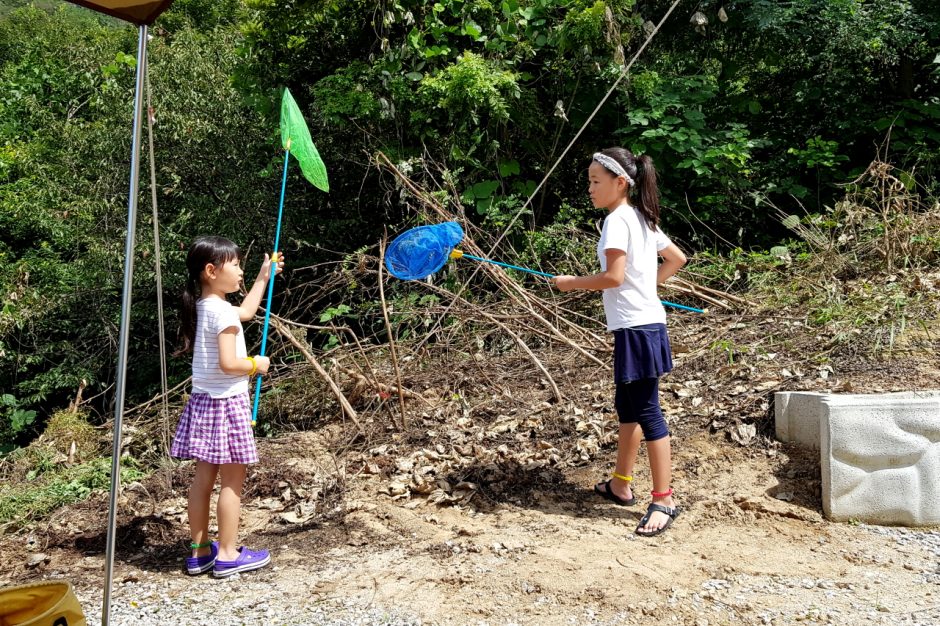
{"x": 421, "y": 251}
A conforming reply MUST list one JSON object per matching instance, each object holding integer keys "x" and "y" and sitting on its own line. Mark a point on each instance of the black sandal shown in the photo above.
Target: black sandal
{"x": 607, "y": 494}
{"x": 673, "y": 513}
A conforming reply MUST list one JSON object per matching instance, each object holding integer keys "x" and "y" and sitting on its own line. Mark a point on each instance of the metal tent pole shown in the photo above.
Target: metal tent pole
{"x": 125, "y": 323}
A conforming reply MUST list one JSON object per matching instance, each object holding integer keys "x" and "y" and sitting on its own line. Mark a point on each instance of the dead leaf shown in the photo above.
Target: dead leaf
{"x": 744, "y": 434}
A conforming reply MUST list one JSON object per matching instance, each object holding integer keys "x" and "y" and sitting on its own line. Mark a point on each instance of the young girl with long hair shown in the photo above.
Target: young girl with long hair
{"x": 629, "y": 249}
{"x": 215, "y": 428}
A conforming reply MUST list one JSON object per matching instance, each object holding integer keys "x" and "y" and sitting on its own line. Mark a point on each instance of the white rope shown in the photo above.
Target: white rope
{"x": 590, "y": 118}
{"x": 564, "y": 152}
{"x": 157, "y": 257}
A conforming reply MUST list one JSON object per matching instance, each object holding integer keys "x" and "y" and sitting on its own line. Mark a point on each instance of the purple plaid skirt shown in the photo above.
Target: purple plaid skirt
{"x": 216, "y": 430}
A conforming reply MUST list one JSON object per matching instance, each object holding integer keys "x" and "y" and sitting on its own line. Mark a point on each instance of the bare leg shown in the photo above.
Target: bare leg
{"x": 230, "y": 508}
{"x": 199, "y": 493}
{"x": 628, "y": 444}
{"x": 660, "y": 452}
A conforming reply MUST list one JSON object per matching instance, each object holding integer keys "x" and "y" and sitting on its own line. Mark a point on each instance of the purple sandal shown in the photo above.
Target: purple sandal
{"x": 247, "y": 561}
{"x": 196, "y": 565}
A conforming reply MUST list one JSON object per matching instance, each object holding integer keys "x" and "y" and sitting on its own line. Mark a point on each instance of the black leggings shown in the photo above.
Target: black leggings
{"x": 638, "y": 402}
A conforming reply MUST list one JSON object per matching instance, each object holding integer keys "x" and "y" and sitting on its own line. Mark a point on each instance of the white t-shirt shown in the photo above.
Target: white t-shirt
{"x": 635, "y": 302}
{"x": 213, "y": 315}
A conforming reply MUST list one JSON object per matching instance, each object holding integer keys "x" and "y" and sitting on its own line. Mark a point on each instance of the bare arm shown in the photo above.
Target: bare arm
{"x": 231, "y": 364}
{"x": 611, "y": 277}
{"x": 673, "y": 260}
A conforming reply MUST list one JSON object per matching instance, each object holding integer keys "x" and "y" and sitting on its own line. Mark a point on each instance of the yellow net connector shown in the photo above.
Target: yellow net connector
{"x": 275, "y": 258}
{"x": 287, "y": 147}
{"x": 456, "y": 254}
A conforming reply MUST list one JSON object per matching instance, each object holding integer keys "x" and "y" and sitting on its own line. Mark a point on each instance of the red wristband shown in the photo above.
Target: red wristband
{"x": 663, "y": 494}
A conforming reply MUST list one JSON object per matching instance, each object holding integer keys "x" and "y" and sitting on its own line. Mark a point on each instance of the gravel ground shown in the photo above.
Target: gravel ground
{"x": 239, "y": 600}
{"x": 872, "y": 604}
{"x": 274, "y": 597}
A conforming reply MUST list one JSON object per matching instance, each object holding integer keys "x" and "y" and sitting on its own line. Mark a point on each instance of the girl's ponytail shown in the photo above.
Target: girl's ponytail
{"x": 647, "y": 191}
{"x": 188, "y": 316}
{"x": 644, "y": 188}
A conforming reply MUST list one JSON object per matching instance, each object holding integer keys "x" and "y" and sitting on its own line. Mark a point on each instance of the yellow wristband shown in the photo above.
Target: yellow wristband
{"x": 254, "y": 365}
{"x": 622, "y": 477}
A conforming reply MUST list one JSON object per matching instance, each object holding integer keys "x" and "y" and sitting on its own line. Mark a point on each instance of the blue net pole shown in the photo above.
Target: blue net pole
{"x": 267, "y": 308}
{"x": 512, "y": 267}
{"x": 419, "y": 252}
{"x": 681, "y": 306}
{"x": 537, "y": 273}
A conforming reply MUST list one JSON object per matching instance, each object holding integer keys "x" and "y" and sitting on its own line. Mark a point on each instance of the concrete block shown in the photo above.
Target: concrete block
{"x": 797, "y": 413}
{"x": 796, "y": 416}
{"x": 880, "y": 458}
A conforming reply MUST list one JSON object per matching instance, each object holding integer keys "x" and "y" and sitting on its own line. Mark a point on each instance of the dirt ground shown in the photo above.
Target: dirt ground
{"x": 481, "y": 512}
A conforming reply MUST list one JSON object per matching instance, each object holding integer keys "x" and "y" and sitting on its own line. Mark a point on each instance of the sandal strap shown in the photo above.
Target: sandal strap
{"x": 670, "y": 511}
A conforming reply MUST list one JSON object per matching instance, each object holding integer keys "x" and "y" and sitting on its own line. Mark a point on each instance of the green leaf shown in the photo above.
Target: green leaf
{"x": 484, "y": 189}
{"x": 473, "y": 29}
{"x": 883, "y": 123}
{"x": 508, "y": 168}
{"x": 483, "y": 205}
{"x": 436, "y": 51}
{"x": 21, "y": 419}
{"x": 910, "y": 184}
{"x": 414, "y": 75}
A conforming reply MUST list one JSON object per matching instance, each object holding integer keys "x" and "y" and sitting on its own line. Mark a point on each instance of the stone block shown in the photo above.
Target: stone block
{"x": 796, "y": 417}
{"x": 880, "y": 458}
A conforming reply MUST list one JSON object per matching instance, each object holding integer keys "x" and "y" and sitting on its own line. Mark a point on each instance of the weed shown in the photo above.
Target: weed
{"x": 52, "y": 488}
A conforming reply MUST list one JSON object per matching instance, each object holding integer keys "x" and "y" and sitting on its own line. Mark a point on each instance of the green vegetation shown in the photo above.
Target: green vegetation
{"x": 49, "y": 486}
{"x": 756, "y": 119}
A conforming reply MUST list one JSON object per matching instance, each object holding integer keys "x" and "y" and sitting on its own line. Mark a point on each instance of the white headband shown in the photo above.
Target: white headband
{"x": 612, "y": 165}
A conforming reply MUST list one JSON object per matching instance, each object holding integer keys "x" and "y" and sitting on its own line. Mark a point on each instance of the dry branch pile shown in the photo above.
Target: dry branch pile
{"x": 453, "y": 383}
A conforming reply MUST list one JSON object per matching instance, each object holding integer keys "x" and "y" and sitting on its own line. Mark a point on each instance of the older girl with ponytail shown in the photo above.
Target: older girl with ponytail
{"x": 629, "y": 250}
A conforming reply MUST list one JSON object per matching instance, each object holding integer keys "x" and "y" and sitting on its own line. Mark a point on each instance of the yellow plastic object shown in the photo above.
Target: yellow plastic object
{"x": 456, "y": 254}
{"x": 46, "y": 603}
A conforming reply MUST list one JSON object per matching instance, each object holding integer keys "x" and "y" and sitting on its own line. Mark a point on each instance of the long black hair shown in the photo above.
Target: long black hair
{"x": 205, "y": 250}
{"x": 645, "y": 192}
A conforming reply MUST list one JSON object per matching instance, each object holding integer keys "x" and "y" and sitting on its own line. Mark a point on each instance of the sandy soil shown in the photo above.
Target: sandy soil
{"x": 481, "y": 512}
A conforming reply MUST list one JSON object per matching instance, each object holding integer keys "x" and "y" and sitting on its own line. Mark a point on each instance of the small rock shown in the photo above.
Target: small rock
{"x": 35, "y": 560}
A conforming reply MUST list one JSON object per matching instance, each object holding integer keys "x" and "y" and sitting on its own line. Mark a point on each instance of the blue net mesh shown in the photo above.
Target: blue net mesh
{"x": 421, "y": 251}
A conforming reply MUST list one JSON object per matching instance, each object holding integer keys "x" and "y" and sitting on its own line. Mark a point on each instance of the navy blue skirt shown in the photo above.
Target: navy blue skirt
{"x": 641, "y": 352}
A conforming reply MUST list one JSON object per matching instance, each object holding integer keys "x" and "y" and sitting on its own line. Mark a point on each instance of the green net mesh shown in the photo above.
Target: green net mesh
{"x": 294, "y": 129}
